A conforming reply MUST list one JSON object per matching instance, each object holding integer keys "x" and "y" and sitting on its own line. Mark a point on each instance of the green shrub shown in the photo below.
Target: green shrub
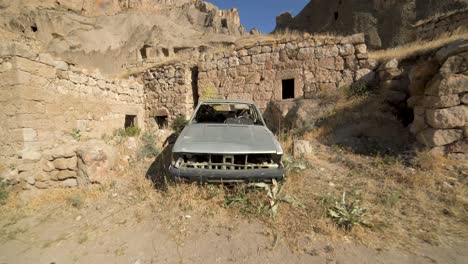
{"x": 179, "y": 123}
{"x": 347, "y": 214}
{"x": 148, "y": 148}
{"x": 357, "y": 89}
{"x": 76, "y": 134}
{"x": 4, "y": 192}
{"x": 132, "y": 131}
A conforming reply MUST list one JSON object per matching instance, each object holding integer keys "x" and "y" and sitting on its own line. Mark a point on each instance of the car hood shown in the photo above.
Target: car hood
{"x": 227, "y": 139}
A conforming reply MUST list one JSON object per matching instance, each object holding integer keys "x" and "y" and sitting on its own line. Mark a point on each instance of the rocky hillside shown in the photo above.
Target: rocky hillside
{"x": 90, "y": 32}
{"x": 386, "y": 23}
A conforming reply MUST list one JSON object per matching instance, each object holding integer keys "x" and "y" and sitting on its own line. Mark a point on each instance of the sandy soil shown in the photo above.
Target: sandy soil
{"x": 132, "y": 235}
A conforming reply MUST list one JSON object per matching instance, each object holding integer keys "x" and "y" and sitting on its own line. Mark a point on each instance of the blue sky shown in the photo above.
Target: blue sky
{"x": 261, "y": 14}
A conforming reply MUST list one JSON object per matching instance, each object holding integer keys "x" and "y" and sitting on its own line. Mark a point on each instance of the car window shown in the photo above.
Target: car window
{"x": 223, "y": 113}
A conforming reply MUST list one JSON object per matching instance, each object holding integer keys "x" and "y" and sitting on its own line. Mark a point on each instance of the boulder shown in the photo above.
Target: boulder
{"x": 390, "y": 74}
{"x": 365, "y": 75}
{"x": 439, "y": 137}
{"x": 447, "y": 84}
{"x": 391, "y": 64}
{"x": 448, "y": 117}
{"x": 95, "y": 162}
{"x": 301, "y": 148}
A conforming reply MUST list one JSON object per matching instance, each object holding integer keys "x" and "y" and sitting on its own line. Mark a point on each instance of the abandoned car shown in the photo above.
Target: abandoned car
{"x": 227, "y": 141}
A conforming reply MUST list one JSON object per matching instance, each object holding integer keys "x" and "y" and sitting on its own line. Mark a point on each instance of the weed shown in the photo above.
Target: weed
{"x": 4, "y": 192}
{"x": 76, "y": 201}
{"x": 148, "y": 148}
{"x": 294, "y": 165}
{"x": 132, "y": 131}
{"x": 347, "y": 214}
{"x": 358, "y": 89}
{"x": 210, "y": 92}
{"x": 179, "y": 124}
{"x": 76, "y": 134}
{"x": 275, "y": 197}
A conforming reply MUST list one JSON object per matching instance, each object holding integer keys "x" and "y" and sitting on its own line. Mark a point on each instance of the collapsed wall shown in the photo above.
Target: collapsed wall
{"x": 435, "y": 87}
{"x": 47, "y": 103}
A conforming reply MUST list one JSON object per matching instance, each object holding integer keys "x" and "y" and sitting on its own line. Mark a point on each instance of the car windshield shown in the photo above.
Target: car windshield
{"x": 227, "y": 113}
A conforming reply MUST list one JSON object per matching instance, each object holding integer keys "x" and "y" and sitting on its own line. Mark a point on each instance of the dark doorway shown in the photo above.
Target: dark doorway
{"x": 130, "y": 121}
{"x": 288, "y": 89}
{"x": 144, "y": 52}
{"x": 337, "y": 15}
{"x": 224, "y": 23}
{"x": 162, "y": 122}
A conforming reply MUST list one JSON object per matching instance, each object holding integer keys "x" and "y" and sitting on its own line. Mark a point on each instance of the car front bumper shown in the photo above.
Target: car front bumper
{"x": 227, "y": 176}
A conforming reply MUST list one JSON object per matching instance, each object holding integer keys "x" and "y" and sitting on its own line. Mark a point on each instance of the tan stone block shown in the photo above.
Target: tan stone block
{"x": 448, "y": 117}
{"x": 451, "y": 84}
{"x": 64, "y": 163}
{"x": 442, "y": 101}
{"x": 439, "y": 137}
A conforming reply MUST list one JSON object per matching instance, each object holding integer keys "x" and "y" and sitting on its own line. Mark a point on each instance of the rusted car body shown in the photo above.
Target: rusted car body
{"x": 227, "y": 141}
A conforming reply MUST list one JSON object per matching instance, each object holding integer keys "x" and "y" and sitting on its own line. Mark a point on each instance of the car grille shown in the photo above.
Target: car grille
{"x": 227, "y": 162}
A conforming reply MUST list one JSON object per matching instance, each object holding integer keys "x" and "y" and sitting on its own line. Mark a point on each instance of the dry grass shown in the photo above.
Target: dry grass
{"x": 280, "y": 36}
{"x": 418, "y": 47}
{"x": 406, "y": 197}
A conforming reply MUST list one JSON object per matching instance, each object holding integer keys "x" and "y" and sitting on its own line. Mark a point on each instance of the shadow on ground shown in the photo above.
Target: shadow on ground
{"x": 158, "y": 172}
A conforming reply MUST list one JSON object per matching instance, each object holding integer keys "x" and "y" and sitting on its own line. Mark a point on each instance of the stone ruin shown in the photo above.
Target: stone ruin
{"x": 46, "y": 101}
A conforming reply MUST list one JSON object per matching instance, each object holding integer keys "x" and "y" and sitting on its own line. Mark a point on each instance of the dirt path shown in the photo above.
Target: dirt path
{"x": 121, "y": 234}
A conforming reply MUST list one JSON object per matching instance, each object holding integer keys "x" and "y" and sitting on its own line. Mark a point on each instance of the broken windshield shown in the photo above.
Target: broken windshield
{"x": 228, "y": 113}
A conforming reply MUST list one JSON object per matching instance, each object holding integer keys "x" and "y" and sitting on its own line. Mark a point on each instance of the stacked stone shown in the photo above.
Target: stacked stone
{"x": 441, "y": 105}
{"x": 255, "y": 72}
{"x": 431, "y": 29}
{"x": 393, "y": 82}
{"x": 56, "y": 168}
{"x": 67, "y": 166}
{"x": 168, "y": 91}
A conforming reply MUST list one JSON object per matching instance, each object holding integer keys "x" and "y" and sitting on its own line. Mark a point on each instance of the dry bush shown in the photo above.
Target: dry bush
{"x": 418, "y": 47}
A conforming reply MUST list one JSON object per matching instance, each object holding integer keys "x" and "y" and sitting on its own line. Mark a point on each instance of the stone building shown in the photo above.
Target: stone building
{"x": 259, "y": 72}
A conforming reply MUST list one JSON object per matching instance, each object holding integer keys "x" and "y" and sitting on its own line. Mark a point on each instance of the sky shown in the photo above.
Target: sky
{"x": 261, "y": 14}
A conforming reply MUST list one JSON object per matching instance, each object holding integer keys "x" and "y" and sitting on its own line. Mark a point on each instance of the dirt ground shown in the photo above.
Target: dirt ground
{"x": 131, "y": 221}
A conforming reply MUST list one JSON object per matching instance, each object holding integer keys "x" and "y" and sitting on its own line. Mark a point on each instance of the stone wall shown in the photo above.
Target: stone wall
{"x": 47, "y": 102}
{"x": 169, "y": 92}
{"x": 441, "y": 105}
{"x": 443, "y": 24}
{"x": 435, "y": 87}
{"x": 256, "y": 72}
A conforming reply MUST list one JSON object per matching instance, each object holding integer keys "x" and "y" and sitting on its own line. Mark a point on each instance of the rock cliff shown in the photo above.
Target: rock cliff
{"x": 90, "y": 32}
{"x": 386, "y": 23}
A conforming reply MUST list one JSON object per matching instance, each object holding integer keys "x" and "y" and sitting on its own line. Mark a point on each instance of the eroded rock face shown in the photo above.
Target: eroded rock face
{"x": 88, "y": 32}
{"x": 95, "y": 162}
{"x": 386, "y": 23}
